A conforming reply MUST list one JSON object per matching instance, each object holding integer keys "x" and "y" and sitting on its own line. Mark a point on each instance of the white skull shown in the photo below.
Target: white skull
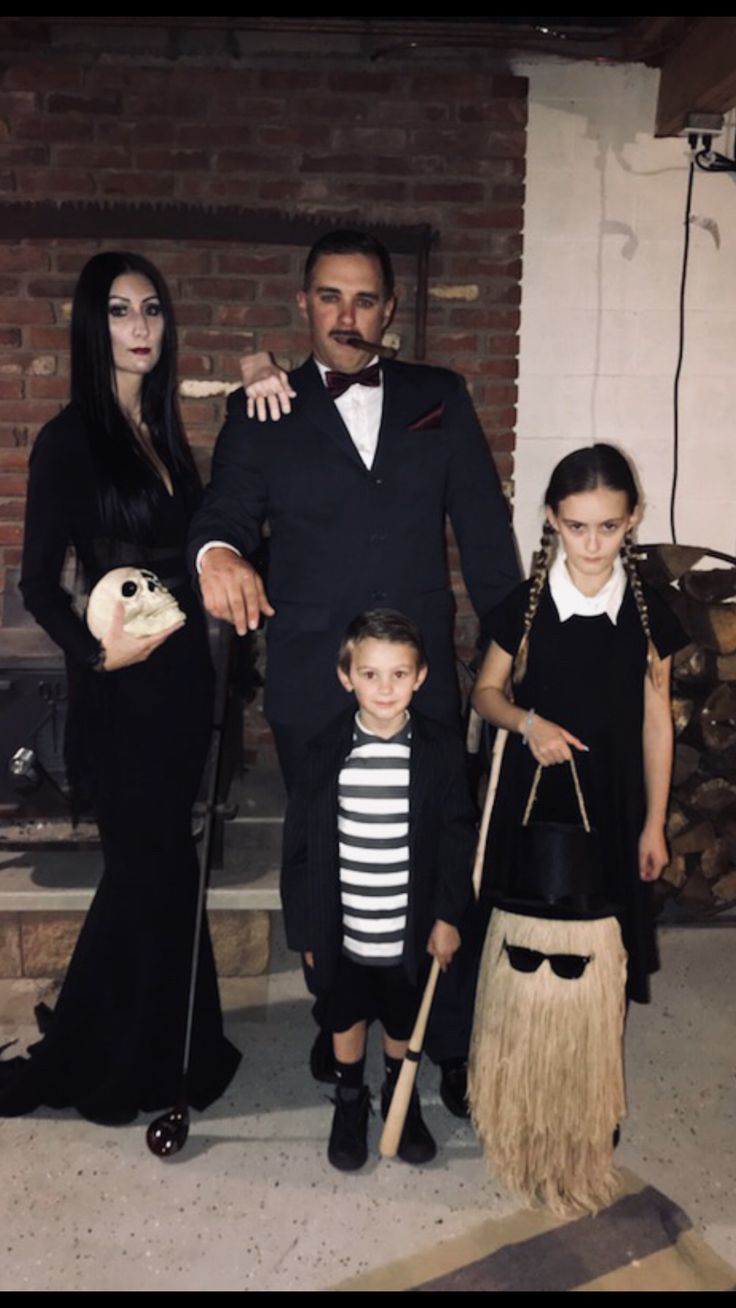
{"x": 149, "y": 607}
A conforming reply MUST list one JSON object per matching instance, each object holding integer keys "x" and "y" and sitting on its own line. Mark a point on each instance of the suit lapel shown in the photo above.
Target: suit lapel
{"x": 321, "y": 411}
{"x": 399, "y": 405}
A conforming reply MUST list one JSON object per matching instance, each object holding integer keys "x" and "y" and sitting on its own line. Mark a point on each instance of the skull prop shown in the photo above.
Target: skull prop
{"x": 149, "y": 608}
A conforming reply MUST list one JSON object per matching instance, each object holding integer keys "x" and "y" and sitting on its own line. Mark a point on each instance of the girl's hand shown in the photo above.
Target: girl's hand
{"x": 550, "y": 743}
{"x": 443, "y": 943}
{"x": 653, "y": 852}
{"x": 123, "y": 650}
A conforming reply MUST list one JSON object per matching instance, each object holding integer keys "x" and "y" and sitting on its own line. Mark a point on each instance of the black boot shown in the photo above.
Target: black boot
{"x": 454, "y": 1087}
{"x": 348, "y": 1147}
{"x": 416, "y": 1145}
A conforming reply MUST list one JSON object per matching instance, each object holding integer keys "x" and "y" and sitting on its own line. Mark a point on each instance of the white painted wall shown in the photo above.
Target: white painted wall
{"x": 603, "y": 239}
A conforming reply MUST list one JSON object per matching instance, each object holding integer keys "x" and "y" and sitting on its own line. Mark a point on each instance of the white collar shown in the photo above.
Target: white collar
{"x": 571, "y": 602}
{"x": 323, "y": 369}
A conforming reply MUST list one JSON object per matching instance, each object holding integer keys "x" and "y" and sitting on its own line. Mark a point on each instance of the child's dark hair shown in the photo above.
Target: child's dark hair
{"x": 381, "y": 624}
{"x": 587, "y": 469}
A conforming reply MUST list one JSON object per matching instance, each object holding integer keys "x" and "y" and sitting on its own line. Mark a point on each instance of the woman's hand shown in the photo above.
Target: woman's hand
{"x": 266, "y": 386}
{"x": 443, "y": 943}
{"x": 550, "y": 743}
{"x": 653, "y": 852}
{"x": 123, "y": 650}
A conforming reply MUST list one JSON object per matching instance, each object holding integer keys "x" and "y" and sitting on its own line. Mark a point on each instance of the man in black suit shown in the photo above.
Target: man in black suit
{"x": 355, "y": 481}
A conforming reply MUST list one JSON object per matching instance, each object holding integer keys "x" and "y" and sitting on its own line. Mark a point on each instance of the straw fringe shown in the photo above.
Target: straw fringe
{"x": 546, "y": 1081}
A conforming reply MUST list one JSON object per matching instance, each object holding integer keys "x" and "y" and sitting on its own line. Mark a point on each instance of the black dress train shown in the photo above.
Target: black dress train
{"x": 137, "y": 742}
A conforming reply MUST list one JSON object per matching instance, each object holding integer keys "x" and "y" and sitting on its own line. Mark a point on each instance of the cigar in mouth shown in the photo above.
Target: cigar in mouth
{"x": 372, "y": 347}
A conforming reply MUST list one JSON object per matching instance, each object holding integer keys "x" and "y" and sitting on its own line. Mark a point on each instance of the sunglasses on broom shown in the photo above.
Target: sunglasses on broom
{"x": 568, "y": 967}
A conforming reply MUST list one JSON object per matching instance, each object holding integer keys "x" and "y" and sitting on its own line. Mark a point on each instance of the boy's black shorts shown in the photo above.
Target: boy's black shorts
{"x": 361, "y": 993}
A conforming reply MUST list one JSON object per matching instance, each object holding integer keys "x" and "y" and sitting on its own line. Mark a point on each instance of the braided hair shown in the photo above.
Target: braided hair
{"x": 584, "y": 470}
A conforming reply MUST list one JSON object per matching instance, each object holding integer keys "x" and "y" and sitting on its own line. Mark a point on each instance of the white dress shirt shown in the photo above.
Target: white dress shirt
{"x": 571, "y": 602}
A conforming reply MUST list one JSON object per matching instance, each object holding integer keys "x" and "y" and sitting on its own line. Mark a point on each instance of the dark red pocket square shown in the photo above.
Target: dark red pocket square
{"x": 432, "y": 418}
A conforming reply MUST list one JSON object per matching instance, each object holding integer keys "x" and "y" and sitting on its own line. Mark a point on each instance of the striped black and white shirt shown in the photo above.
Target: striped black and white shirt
{"x": 373, "y": 831}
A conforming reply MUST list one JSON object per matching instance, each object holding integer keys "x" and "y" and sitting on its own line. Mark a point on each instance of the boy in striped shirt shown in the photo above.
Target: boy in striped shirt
{"x": 378, "y": 851}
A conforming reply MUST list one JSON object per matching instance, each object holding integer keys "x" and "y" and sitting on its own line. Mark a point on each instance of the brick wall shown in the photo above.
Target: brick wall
{"x": 422, "y": 144}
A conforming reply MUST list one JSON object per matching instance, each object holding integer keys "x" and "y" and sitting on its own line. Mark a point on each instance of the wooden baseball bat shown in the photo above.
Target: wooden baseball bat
{"x": 399, "y": 1106}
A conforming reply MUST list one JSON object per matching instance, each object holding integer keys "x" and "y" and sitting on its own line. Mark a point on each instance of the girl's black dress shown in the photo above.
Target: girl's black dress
{"x": 137, "y": 742}
{"x": 587, "y": 675}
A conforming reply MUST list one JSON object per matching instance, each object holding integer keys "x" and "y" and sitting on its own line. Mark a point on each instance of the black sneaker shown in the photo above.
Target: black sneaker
{"x": 454, "y": 1089}
{"x": 416, "y": 1145}
{"x": 322, "y": 1059}
{"x": 348, "y": 1147}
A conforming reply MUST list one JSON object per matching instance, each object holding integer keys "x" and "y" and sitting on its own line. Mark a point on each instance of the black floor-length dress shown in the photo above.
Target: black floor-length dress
{"x": 138, "y": 739}
{"x": 587, "y": 675}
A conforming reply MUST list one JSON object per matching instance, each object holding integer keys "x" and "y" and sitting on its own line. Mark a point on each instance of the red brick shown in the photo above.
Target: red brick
{"x": 19, "y": 155}
{"x": 289, "y": 79}
{"x": 52, "y": 287}
{"x": 13, "y": 485}
{"x": 176, "y": 104}
{"x": 10, "y": 534}
{"x": 353, "y": 163}
{"x": 54, "y": 182}
{"x": 506, "y": 112}
{"x": 500, "y": 320}
{"x": 249, "y": 161}
{"x": 7, "y": 181}
{"x": 48, "y": 338}
{"x": 192, "y": 315}
{"x": 255, "y": 109}
{"x": 219, "y": 288}
{"x": 147, "y": 132}
{"x": 492, "y": 217}
{"x": 214, "y": 340}
{"x": 50, "y": 130}
{"x": 14, "y": 460}
{"x": 281, "y": 288}
{"x": 172, "y": 160}
{"x": 283, "y": 189}
{"x": 233, "y": 315}
{"x": 12, "y": 558}
{"x": 12, "y": 510}
{"x": 310, "y": 135}
{"x": 503, "y": 345}
{"x": 10, "y": 337}
{"x": 9, "y": 285}
{"x": 453, "y": 343}
{"x": 15, "y": 312}
{"x": 88, "y": 105}
{"x": 25, "y": 412}
{"x": 48, "y": 388}
{"x": 436, "y": 192}
{"x": 369, "y": 138}
{"x": 467, "y": 85}
{"x": 194, "y": 365}
{"x": 332, "y": 108}
{"x": 212, "y": 136}
{"x": 462, "y": 266}
{"x": 92, "y": 156}
{"x": 136, "y": 184}
{"x": 44, "y": 76}
{"x": 17, "y": 104}
{"x": 11, "y": 388}
{"x": 186, "y": 262}
{"x": 499, "y": 394}
{"x": 199, "y": 411}
{"x": 256, "y": 264}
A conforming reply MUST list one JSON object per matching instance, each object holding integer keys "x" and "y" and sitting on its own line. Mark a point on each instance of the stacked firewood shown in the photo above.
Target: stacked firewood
{"x": 701, "y": 827}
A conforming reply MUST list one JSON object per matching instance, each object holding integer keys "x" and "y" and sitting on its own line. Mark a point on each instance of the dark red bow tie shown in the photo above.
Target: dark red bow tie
{"x": 338, "y": 383}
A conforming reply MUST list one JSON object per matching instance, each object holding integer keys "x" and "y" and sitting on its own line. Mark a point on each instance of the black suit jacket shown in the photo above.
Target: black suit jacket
{"x": 344, "y": 538}
{"x": 441, "y": 844}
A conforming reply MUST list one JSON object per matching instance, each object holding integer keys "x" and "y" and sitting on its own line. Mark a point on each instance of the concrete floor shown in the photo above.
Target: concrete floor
{"x": 252, "y": 1204}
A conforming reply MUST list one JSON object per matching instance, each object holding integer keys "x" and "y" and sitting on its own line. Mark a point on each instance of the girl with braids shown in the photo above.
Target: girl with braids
{"x": 580, "y": 665}
{"x": 112, "y": 476}
{"x": 579, "y": 669}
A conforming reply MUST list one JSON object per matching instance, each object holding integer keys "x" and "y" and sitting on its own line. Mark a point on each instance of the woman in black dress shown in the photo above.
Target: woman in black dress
{"x": 113, "y": 477}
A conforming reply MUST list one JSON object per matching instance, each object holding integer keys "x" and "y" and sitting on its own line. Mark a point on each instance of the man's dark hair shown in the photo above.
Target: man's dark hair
{"x": 381, "y": 624}
{"x": 346, "y": 241}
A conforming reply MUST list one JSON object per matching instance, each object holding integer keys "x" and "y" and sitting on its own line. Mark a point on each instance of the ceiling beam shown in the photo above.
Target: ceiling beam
{"x": 698, "y": 74}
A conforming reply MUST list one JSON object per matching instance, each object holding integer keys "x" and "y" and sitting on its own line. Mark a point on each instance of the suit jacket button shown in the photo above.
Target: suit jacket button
{"x": 378, "y": 481}
{"x": 379, "y": 595}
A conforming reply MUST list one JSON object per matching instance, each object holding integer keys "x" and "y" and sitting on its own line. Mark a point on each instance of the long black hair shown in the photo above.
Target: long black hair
{"x": 128, "y": 487}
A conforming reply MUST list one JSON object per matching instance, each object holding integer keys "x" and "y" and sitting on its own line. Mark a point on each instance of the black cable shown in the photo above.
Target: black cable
{"x": 681, "y": 352}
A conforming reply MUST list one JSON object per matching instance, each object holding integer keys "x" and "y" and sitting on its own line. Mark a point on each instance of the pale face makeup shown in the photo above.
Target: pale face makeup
{"x": 345, "y": 297}
{"x": 136, "y": 323}
{"x": 384, "y": 676}
{"x": 592, "y": 527}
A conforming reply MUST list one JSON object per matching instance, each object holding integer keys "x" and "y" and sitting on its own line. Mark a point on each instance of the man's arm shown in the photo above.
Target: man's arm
{"x": 229, "y": 524}
{"x": 478, "y": 511}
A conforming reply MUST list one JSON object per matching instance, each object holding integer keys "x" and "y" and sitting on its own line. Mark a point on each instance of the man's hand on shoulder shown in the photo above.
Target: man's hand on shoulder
{"x": 267, "y": 388}
{"x": 233, "y": 590}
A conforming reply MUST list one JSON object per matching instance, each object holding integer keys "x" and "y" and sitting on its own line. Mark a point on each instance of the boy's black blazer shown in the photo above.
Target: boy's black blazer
{"x": 442, "y": 818}
{"x": 344, "y": 538}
